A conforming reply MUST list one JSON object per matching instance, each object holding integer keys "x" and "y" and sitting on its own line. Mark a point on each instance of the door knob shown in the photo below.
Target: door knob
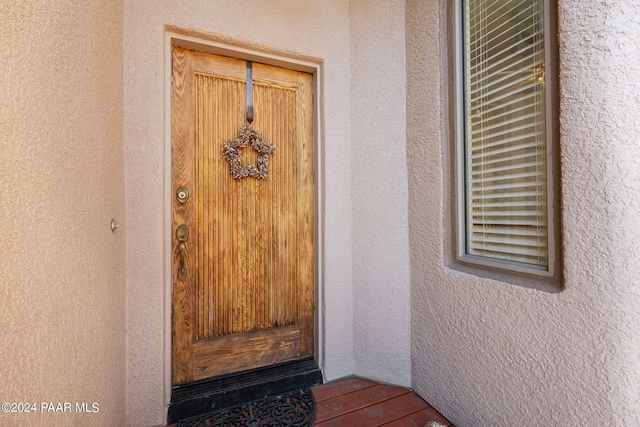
{"x": 182, "y": 234}
{"x": 182, "y": 271}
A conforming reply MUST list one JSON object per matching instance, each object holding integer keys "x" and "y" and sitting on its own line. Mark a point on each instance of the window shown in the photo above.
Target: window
{"x": 505, "y": 203}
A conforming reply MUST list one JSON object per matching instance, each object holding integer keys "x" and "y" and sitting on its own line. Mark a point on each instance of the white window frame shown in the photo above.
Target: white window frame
{"x": 460, "y": 180}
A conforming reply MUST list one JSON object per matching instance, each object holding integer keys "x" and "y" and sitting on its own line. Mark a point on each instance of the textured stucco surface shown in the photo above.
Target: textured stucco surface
{"x": 313, "y": 31}
{"x": 491, "y": 353}
{"x": 483, "y": 352}
{"x": 379, "y": 191}
{"x": 62, "y": 271}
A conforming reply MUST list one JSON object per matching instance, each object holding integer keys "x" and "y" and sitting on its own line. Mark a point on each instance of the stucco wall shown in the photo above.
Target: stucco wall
{"x": 62, "y": 270}
{"x": 379, "y": 191}
{"x": 483, "y": 352}
{"x": 311, "y": 31}
{"x": 491, "y": 353}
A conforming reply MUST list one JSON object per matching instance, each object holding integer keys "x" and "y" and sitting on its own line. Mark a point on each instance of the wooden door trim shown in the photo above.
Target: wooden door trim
{"x": 176, "y": 37}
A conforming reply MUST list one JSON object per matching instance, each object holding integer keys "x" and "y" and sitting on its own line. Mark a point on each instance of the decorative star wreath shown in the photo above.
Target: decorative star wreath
{"x": 248, "y": 136}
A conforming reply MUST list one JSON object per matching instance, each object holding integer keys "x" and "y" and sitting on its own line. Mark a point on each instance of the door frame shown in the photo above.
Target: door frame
{"x": 174, "y": 37}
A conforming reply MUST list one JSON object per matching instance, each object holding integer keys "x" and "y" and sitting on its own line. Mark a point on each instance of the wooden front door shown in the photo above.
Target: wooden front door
{"x": 243, "y": 251}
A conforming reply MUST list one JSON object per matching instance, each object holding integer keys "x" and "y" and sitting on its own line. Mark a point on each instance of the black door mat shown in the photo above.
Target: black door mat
{"x": 292, "y": 409}
{"x": 202, "y": 397}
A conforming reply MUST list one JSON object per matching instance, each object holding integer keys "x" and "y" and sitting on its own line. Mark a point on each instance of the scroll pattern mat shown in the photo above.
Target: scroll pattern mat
{"x": 292, "y": 409}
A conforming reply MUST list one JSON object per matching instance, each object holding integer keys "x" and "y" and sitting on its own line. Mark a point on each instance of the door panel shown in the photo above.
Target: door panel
{"x": 246, "y": 299}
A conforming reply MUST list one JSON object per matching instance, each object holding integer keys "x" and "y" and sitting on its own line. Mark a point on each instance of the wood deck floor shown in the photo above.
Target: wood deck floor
{"x": 357, "y": 402}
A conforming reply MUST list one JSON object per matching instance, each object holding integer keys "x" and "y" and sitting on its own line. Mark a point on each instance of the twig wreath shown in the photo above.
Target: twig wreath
{"x": 248, "y": 136}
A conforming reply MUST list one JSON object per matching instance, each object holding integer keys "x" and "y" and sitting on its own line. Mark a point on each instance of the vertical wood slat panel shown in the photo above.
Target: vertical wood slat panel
{"x": 219, "y": 104}
{"x": 258, "y": 288}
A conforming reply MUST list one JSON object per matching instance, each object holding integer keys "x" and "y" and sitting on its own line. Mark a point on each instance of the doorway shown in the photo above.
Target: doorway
{"x": 243, "y": 243}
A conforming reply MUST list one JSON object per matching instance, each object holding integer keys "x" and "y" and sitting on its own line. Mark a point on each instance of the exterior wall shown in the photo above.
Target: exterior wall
{"x": 483, "y": 352}
{"x": 311, "y": 31}
{"x": 62, "y": 293}
{"x": 379, "y": 191}
{"x": 491, "y": 353}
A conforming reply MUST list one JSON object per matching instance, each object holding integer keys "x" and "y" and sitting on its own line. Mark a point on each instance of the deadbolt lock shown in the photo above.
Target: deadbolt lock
{"x": 182, "y": 194}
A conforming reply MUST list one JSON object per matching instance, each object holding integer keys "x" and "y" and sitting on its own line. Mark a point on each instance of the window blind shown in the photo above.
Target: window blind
{"x": 505, "y": 131}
